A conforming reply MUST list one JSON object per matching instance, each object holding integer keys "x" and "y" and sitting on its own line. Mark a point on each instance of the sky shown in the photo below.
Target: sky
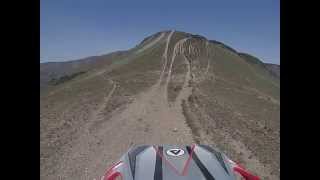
{"x": 74, "y": 29}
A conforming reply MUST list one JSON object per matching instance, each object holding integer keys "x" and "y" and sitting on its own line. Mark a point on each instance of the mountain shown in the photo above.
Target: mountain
{"x": 56, "y": 70}
{"x": 273, "y": 68}
{"x": 172, "y": 88}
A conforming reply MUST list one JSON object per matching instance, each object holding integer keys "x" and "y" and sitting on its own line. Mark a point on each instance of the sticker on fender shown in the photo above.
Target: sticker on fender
{"x": 175, "y": 152}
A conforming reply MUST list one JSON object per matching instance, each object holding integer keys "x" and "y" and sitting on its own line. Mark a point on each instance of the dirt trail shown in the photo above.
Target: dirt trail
{"x": 102, "y": 106}
{"x": 208, "y": 64}
{"x": 176, "y": 51}
{"x": 165, "y": 57}
{"x": 147, "y": 120}
{"x": 186, "y": 91}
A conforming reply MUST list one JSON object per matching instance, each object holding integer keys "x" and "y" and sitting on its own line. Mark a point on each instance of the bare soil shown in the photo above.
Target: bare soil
{"x": 173, "y": 96}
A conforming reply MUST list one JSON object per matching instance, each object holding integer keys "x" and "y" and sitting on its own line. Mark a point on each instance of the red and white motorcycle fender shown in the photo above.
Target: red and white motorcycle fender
{"x": 242, "y": 171}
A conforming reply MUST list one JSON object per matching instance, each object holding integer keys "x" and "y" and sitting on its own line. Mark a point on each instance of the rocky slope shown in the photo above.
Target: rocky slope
{"x": 172, "y": 88}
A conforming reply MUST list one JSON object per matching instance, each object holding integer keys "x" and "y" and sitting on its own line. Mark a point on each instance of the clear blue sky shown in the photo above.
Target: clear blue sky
{"x": 73, "y": 29}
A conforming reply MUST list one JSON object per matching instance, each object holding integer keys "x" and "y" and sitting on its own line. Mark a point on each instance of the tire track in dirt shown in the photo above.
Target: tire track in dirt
{"x": 186, "y": 91}
{"x": 208, "y": 64}
{"x": 105, "y": 102}
{"x": 178, "y": 48}
{"x": 165, "y": 57}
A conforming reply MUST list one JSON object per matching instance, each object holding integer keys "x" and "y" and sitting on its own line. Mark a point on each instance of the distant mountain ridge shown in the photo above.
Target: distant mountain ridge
{"x": 54, "y": 70}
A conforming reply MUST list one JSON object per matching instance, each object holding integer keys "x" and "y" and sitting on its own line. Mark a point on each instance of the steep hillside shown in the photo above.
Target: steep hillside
{"x": 56, "y": 70}
{"x": 274, "y": 68}
{"x": 172, "y": 88}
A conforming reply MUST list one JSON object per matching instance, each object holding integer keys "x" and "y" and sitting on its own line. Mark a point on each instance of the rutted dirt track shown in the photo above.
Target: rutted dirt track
{"x": 149, "y": 117}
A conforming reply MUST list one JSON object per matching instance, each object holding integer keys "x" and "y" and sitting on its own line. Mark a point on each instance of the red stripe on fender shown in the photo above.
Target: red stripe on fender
{"x": 184, "y": 172}
{"x": 245, "y": 174}
{"x": 113, "y": 176}
{"x": 112, "y": 173}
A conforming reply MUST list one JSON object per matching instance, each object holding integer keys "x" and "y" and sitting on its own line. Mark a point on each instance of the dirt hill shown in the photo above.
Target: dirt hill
{"x": 172, "y": 88}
